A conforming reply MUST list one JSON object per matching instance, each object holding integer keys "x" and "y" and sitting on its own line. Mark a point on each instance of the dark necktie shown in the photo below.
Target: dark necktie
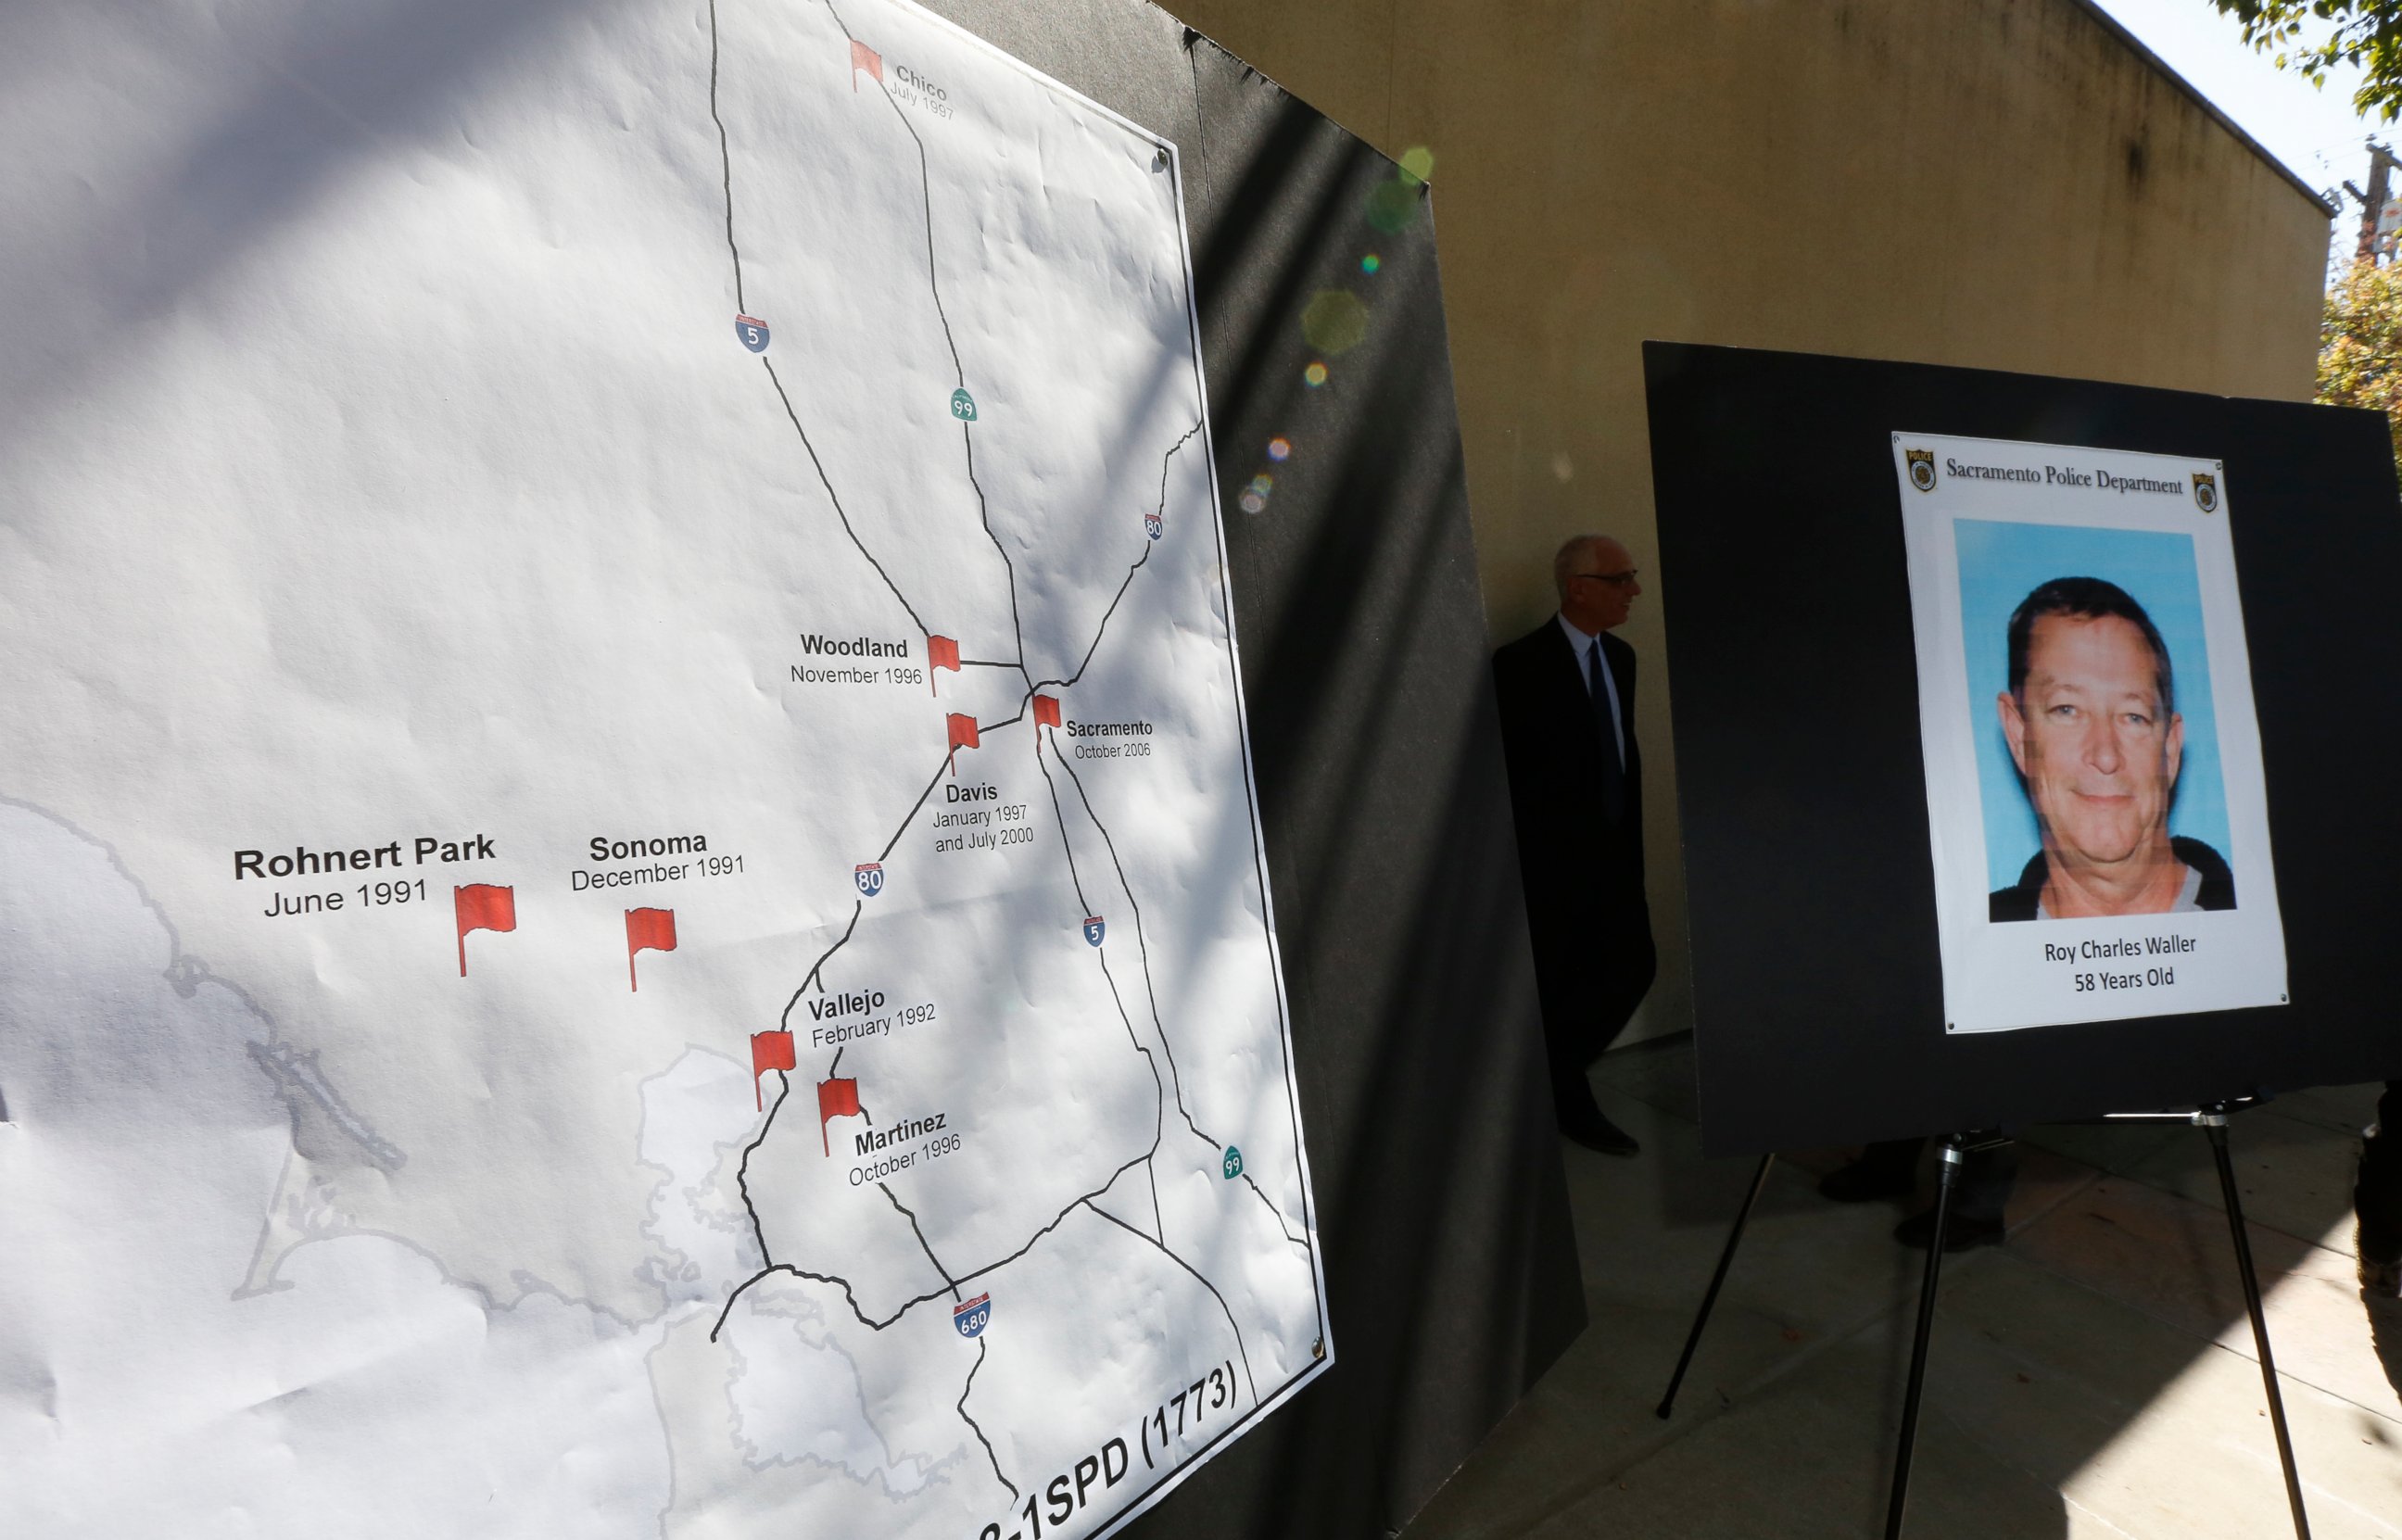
{"x": 1613, "y": 773}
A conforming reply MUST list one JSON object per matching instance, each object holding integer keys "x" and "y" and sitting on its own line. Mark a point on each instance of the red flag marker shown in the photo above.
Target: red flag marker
{"x": 864, "y": 58}
{"x": 482, "y": 906}
{"x": 768, "y": 1051}
{"x": 1046, "y": 711}
{"x": 647, "y": 930}
{"x": 941, "y": 652}
{"x": 835, "y": 1099}
{"x": 962, "y": 735}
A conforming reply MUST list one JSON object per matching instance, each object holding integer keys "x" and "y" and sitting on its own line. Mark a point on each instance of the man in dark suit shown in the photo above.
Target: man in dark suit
{"x": 1566, "y": 696}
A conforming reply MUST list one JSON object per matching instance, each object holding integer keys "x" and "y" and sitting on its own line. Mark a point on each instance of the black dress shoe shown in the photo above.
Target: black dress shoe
{"x": 1866, "y": 1180}
{"x": 1960, "y": 1233}
{"x": 1595, "y": 1131}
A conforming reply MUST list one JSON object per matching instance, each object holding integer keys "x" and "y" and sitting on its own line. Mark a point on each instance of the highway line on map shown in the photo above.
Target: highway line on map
{"x": 1159, "y": 1087}
{"x": 1102, "y": 629}
{"x": 979, "y": 1432}
{"x": 1160, "y": 512}
{"x": 784, "y": 1022}
{"x": 742, "y": 1182}
{"x": 836, "y": 498}
{"x": 857, "y": 905}
{"x": 912, "y": 1217}
{"x": 1143, "y": 950}
{"x": 958, "y": 368}
{"x": 983, "y": 514}
{"x": 742, "y": 1171}
{"x": 725, "y": 162}
{"x": 911, "y": 1303}
{"x": 996, "y": 1266}
{"x": 1188, "y": 1267}
{"x": 928, "y": 791}
{"x": 1160, "y": 1091}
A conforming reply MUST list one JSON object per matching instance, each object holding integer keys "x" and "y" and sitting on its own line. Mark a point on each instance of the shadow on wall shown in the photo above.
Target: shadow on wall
{"x": 1448, "y": 1257}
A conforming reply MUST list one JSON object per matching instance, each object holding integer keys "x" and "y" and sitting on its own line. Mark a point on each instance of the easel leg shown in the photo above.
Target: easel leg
{"x": 2215, "y": 1124}
{"x": 1949, "y": 1177}
{"x": 1726, "y": 1259}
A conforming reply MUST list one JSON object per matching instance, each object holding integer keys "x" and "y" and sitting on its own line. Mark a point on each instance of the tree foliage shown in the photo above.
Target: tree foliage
{"x": 2314, "y": 36}
{"x": 2360, "y": 345}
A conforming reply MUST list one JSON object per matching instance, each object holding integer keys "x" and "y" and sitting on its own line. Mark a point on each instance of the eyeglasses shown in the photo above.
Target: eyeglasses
{"x": 1616, "y": 580}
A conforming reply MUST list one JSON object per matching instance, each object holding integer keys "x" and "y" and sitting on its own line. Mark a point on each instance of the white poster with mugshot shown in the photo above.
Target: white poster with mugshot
{"x": 2094, "y": 794}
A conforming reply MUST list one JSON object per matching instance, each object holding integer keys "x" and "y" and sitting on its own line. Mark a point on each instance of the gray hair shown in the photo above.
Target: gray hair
{"x": 1565, "y": 558}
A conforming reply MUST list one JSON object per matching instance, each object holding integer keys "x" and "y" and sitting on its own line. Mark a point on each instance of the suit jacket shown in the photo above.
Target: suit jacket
{"x": 1581, "y": 870}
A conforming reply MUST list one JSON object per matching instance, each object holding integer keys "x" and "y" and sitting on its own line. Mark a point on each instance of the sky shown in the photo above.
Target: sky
{"x": 2315, "y": 132}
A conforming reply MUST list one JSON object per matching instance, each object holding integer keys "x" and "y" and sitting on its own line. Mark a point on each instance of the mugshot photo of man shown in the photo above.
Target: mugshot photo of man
{"x": 2091, "y": 723}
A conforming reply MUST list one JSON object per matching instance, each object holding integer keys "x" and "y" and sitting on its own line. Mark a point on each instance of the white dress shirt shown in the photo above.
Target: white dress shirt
{"x": 1586, "y": 648}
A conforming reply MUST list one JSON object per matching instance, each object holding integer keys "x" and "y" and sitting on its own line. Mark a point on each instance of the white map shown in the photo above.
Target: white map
{"x": 630, "y": 896}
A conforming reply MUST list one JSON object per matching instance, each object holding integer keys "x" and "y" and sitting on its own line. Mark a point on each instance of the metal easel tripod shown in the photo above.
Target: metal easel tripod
{"x": 2211, "y": 1118}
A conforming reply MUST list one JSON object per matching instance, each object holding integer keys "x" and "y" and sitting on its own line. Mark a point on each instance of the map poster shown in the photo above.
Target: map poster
{"x": 631, "y": 899}
{"x": 2095, "y": 794}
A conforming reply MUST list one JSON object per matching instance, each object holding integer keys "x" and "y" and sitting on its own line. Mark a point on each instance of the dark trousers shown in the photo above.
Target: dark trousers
{"x": 2378, "y": 1197}
{"x": 1980, "y": 1193}
{"x": 1589, "y": 993}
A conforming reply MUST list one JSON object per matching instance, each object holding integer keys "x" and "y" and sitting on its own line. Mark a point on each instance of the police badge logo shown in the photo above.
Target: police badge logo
{"x": 870, "y": 877}
{"x": 1922, "y": 468}
{"x": 2206, "y": 491}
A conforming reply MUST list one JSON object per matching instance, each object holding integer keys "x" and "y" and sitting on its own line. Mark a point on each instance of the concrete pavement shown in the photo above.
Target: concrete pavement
{"x": 2093, "y": 1377}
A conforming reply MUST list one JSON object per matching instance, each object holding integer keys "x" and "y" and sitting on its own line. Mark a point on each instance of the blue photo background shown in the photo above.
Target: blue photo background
{"x": 2000, "y": 564}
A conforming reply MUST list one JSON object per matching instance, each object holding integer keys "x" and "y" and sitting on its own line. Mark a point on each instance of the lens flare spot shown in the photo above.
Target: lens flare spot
{"x": 1253, "y": 502}
{"x": 1371, "y": 262}
{"x": 1417, "y": 163}
{"x": 1335, "y": 321}
{"x": 1315, "y": 374}
{"x": 1279, "y": 448}
{"x": 1393, "y": 204}
{"x": 1262, "y": 484}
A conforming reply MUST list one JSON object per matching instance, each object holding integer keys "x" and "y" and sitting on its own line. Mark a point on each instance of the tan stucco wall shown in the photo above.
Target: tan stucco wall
{"x": 2003, "y": 184}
